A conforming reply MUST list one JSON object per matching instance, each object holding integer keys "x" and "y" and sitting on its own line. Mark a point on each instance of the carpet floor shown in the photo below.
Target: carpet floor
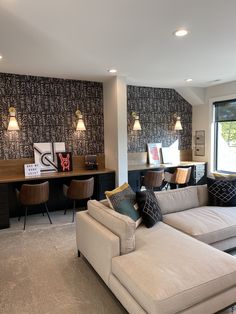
{"x": 40, "y": 272}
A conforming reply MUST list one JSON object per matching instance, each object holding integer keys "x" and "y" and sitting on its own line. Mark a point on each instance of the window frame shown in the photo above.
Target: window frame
{"x": 216, "y": 129}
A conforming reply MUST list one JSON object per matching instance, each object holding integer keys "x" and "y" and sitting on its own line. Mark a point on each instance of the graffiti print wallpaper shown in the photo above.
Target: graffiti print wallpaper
{"x": 157, "y": 109}
{"x": 46, "y": 113}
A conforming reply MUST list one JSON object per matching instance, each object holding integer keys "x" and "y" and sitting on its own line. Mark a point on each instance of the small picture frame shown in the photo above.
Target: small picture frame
{"x": 32, "y": 170}
{"x": 64, "y": 161}
{"x": 154, "y": 153}
{"x": 200, "y": 137}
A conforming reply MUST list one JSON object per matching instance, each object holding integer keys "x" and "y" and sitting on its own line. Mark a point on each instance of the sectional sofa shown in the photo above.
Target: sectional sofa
{"x": 177, "y": 266}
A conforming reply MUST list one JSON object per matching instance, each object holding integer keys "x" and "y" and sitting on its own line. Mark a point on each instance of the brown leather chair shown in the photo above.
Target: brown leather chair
{"x": 79, "y": 190}
{"x": 33, "y": 194}
{"x": 179, "y": 178}
{"x": 153, "y": 180}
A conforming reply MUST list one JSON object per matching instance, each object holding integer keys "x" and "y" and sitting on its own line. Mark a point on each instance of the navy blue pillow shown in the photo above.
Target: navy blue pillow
{"x": 221, "y": 192}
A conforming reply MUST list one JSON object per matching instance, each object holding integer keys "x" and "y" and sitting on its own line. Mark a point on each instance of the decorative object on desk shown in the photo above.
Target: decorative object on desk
{"x": 154, "y": 153}
{"x": 32, "y": 170}
{"x": 45, "y": 155}
{"x": 170, "y": 155}
{"x": 178, "y": 125}
{"x": 137, "y": 125}
{"x": 64, "y": 161}
{"x": 13, "y": 124}
{"x": 80, "y": 124}
{"x": 91, "y": 162}
{"x": 200, "y": 143}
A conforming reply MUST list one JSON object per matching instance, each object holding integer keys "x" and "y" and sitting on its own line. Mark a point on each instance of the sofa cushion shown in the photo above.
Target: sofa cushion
{"x": 123, "y": 192}
{"x": 202, "y": 193}
{"x": 149, "y": 208}
{"x": 170, "y": 271}
{"x": 121, "y": 225}
{"x": 221, "y": 192}
{"x": 172, "y": 201}
{"x": 208, "y": 224}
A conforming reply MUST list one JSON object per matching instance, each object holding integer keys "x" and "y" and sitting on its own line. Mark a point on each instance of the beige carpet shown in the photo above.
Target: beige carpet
{"x": 40, "y": 272}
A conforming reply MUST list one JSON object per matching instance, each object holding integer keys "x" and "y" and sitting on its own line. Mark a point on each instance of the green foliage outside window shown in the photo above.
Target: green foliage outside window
{"x": 228, "y": 132}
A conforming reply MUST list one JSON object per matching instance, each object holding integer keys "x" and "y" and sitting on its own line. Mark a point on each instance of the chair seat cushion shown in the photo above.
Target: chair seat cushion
{"x": 170, "y": 271}
{"x": 209, "y": 224}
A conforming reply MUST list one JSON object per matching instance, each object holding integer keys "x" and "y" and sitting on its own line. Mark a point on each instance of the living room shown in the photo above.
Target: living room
{"x": 95, "y": 85}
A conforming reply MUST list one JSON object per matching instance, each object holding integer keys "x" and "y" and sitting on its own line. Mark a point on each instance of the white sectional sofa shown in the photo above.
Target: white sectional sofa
{"x": 164, "y": 270}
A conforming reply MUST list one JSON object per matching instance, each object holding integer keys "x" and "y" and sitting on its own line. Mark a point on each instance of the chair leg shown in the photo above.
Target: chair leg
{"x": 47, "y": 213}
{"x": 65, "y": 211}
{"x": 19, "y": 214}
{"x": 26, "y": 211}
{"x": 73, "y": 211}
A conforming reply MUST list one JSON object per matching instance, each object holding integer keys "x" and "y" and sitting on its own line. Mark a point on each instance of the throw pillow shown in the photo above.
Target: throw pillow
{"x": 221, "y": 192}
{"x": 123, "y": 200}
{"x": 149, "y": 208}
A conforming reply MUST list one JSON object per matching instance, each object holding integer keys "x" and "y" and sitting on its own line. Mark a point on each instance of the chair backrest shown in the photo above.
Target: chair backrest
{"x": 81, "y": 189}
{"x": 33, "y": 194}
{"x": 182, "y": 175}
{"x": 153, "y": 179}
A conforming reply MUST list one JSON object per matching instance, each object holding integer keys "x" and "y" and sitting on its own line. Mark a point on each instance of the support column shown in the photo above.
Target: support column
{"x": 115, "y": 127}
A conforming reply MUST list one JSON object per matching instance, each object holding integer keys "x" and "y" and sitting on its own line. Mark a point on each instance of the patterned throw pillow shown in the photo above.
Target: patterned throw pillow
{"x": 221, "y": 192}
{"x": 149, "y": 208}
{"x": 123, "y": 200}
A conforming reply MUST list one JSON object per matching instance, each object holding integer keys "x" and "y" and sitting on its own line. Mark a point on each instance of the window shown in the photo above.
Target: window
{"x": 225, "y": 136}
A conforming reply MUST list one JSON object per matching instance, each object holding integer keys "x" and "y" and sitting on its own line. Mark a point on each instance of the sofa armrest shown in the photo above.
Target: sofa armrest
{"x": 98, "y": 244}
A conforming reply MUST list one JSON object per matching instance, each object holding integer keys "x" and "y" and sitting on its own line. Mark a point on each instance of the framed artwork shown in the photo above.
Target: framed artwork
{"x": 200, "y": 150}
{"x": 200, "y": 137}
{"x": 64, "y": 161}
{"x": 170, "y": 155}
{"x": 45, "y": 155}
{"x": 154, "y": 153}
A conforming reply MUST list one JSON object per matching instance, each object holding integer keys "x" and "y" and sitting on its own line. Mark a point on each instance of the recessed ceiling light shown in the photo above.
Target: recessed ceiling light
{"x": 181, "y": 32}
{"x": 189, "y": 80}
{"x": 112, "y": 70}
{"x": 0, "y": 57}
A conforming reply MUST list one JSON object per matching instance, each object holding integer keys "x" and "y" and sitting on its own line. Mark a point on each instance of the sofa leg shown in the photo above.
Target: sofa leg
{"x": 78, "y": 253}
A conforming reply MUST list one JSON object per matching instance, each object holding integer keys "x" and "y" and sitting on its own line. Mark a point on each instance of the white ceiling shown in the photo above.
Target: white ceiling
{"x": 81, "y": 39}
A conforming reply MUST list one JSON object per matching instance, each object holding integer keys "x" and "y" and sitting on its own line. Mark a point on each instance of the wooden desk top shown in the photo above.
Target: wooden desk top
{"x": 52, "y": 175}
{"x": 164, "y": 166}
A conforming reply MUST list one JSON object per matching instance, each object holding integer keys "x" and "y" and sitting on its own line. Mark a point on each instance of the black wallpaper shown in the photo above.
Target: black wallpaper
{"x": 156, "y": 108}
{"x": 46, "y": 113}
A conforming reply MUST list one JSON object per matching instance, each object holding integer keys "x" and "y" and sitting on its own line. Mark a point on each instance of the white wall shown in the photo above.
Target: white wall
{"x": 203, "y": 116}
{"x": 115, "y": 128}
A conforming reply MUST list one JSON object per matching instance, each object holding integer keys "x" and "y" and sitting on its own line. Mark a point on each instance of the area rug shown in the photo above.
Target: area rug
{"x": 40, "y": 273}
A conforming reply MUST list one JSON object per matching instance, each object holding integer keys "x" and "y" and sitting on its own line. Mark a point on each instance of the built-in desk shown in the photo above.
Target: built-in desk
{"x": 104, "y": 179}
{"x": 198, "y": 174}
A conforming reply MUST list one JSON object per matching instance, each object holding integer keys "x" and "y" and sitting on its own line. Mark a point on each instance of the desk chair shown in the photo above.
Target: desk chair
{"x": 153, "y": 180}
{"x": 179, "y": 178}
{"x": 78, "y": 190}
{"x": 33, "y": 194}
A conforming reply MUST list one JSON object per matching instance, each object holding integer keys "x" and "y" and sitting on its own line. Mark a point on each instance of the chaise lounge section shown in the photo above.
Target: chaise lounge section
{"x": 161, "y": 269}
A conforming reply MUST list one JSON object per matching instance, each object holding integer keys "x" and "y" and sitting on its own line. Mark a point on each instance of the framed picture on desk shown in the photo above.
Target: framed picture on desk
{"x": 154, "y": 153}
{"x": 64, "y": 161}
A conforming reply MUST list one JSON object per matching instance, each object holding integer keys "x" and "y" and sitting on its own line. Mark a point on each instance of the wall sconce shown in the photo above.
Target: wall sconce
{"x": 178, "y": 125}
{"x": 80, "y": 124}
{"x": 137, "y": 125}
{"x": 13, "y": 124}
